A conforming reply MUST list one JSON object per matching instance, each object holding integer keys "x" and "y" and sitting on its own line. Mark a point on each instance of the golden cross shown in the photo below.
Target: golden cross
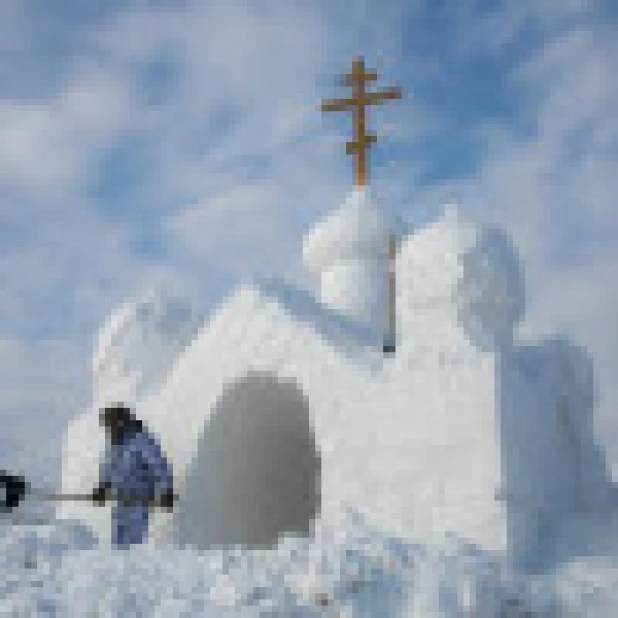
{"x": 357, "y": 102}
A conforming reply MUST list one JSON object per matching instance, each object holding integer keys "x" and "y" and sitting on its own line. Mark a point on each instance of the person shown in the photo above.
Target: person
{"x": 135, "y": 473}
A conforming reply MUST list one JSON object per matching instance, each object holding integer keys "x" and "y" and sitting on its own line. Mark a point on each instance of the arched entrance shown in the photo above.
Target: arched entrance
{"x": 256, "y": 472}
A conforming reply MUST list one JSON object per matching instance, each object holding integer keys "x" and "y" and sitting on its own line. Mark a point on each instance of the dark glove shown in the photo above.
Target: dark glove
{"x": 167, "y": 501}
{"x": 100, "y": 494}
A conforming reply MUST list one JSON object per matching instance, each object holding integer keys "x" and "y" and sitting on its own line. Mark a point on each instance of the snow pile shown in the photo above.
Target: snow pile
{"x": 139, "y": 343}
{"x": 349, "y": 569}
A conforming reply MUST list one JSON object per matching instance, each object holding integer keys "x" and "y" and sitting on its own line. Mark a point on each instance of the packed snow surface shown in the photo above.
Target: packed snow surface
{"x": 348, "y": 569}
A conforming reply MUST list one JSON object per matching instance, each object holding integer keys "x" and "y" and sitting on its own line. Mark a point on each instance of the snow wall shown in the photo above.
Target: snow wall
{"x": 271, "y": 418}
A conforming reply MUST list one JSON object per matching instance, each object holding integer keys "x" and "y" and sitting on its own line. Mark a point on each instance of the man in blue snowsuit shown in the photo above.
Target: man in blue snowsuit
{"x": 134, "y": 473}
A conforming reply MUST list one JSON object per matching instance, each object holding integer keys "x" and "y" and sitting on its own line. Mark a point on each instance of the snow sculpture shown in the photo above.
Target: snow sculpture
{"x": 290, "y": 411}
{"x": 463, "y": 275}
{"x": 531, "y": 456}
{"x": 349, "y": 252}
{"x": 139, "y": 342}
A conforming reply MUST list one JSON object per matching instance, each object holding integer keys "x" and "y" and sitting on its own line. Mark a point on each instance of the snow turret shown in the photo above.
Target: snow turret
{"x": 349, "y": 252}
{"x": 139, "y": 342}
{"x": 466, "y": 272}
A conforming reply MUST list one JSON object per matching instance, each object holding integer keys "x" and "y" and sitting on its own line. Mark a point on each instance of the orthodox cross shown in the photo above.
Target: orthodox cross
{"x": 357, "y": 103}
{"x": 361, "y": 141}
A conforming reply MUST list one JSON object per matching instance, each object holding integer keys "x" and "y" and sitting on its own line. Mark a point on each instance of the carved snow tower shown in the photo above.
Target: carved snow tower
{"x": 353, "y": 251}
{"x": 348, "y": 251}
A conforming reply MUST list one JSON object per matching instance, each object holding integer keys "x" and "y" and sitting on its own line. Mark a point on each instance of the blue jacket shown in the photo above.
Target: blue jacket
{"x": 137, "y": 466}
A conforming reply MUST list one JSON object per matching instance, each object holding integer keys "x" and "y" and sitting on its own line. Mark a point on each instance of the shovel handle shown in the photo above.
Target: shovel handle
{"x": 88, "y": 498}
{"x": 15, "y": 487}
{"x": 68, "y": 497}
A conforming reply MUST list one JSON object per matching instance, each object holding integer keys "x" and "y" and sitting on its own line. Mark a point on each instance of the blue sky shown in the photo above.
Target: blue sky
{"x": 183, "y": 140}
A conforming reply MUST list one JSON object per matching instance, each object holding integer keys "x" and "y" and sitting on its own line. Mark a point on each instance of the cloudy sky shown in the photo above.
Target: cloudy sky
{"x": 183, "y": 140}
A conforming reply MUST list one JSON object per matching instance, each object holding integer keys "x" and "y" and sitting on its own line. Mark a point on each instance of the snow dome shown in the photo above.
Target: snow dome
{"x": 349, "y": 252}
{"x": 466, "y": 270}
{"x": 357, "y": 227}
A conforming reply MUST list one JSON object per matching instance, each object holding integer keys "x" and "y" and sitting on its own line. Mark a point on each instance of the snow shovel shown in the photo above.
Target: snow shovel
{"x": 14, "y": 488}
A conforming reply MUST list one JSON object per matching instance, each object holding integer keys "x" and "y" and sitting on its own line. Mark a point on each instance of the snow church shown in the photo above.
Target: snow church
{"x": 398, "y": 388}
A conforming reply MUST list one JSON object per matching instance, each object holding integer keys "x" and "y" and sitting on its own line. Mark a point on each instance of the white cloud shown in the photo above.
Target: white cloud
{"x": 229, "y": 227}
{"x": 490, "y": 30}
{"x": 235, "y": 199}
{"x": 46, "y": 146}
{"x": 32, "y": 154}
{"x": 72, "y": 263}
{"x": 72, "y": 251}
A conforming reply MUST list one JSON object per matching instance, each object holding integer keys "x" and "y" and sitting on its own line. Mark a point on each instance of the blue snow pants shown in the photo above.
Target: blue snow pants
{"x": 129, "y": 525}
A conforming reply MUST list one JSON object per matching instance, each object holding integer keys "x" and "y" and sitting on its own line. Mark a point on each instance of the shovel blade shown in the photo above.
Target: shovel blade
{"x": 12, "y": 490}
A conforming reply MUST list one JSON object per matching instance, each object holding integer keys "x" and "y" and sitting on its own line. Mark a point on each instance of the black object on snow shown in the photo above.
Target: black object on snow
{"x": 12, "y": 490}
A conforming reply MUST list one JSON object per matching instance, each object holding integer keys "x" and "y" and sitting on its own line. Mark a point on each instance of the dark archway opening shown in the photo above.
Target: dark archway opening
{"x": 256, "y": 473}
